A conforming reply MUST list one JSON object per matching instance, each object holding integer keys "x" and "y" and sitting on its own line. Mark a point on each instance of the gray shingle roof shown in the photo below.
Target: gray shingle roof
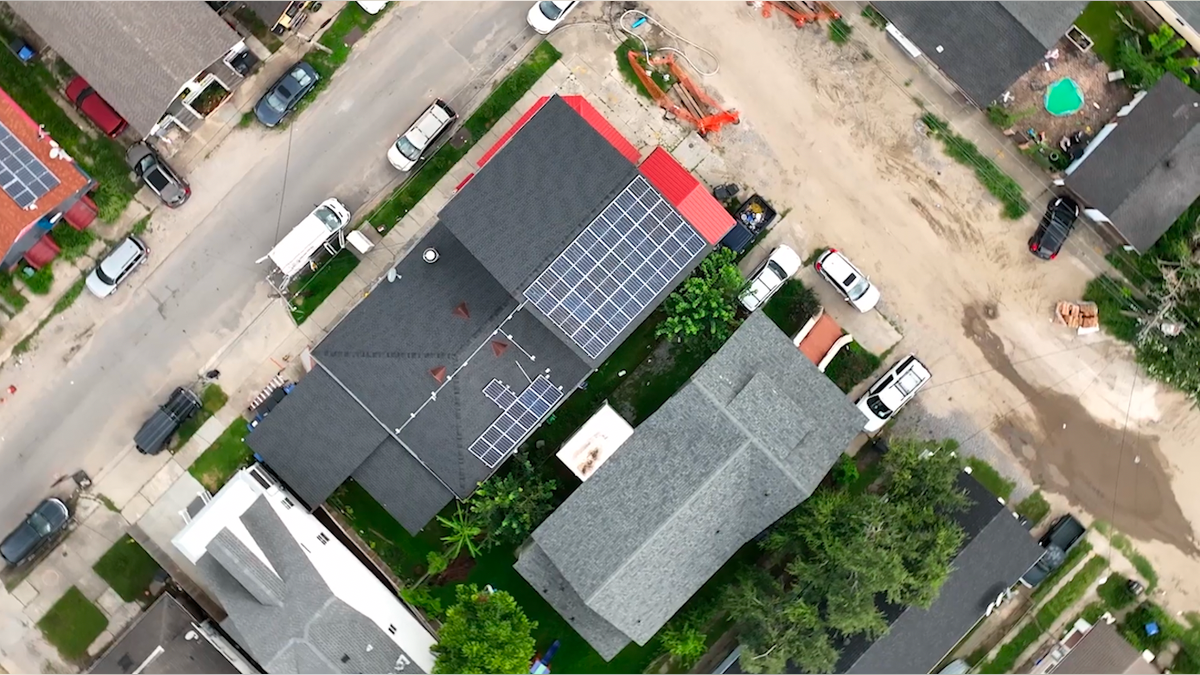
{"x": 536, "y": 195}
{"x": 375, "y": 378}
{"x": 312, "y": 631}
{"x": 1104, "y": 650}
{"x": 984, "y": 46}
{"x": 744, "y": 442}
{"x": 164, "y": 625}
{"x": 137, "y": 55}
{"x": 1147, "y": 171}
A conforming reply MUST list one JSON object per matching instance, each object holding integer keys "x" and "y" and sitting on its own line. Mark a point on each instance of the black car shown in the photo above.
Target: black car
{"x": 165, "y": 421}
{"x": 162, "y": 179}
{"x": 1058, "y": 541}
{"x": 39, "y": 527}
{"x": 1056, "y": 226}
{"x": 287, "y": 91}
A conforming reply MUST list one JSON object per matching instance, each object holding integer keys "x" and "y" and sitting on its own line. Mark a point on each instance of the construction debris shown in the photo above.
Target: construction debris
{"x": 801, "y": 13}
{"x": 1082, "y": 316}
{"x": 693, "y": 99}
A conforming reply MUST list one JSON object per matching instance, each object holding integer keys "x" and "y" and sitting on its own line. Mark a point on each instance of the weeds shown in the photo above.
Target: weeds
{"x": 995, "y": 181}
{"x": 839, "y": 31}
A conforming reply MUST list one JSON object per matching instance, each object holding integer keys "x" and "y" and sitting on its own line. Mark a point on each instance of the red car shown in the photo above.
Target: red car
{"x": 97, "y": 109}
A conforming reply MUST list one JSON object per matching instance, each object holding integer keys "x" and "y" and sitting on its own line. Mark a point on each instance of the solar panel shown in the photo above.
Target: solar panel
{"x": 616, "y": 267}
{"x": 22, "y": 175}
{"x": 499, "y": 393}
{"x": 520, "y": 418}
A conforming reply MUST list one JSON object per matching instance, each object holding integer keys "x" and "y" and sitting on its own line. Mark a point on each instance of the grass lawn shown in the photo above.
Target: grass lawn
{"x": 1034, "y": 507}
{"x": 1111, "y": 304}
{"x": 852, "y": 364}
{"x": 402, "y": 552}
{"x": 310, "y": 291}
{"x": 72, "y": 624}
{"x": 792, "y": 306}
{"x": 1099, "y": 22}
{"x": 10, "y": 294}
{"x": 990, "y": 478}
{"x": 100, "y": 157}
{"x": 212, "y": 399}
{"x": 497, "y": 104}
{"x": 128, "y": 568}
{"x": 223, "y": 458}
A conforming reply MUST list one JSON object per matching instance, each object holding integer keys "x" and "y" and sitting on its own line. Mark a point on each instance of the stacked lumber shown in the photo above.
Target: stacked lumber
{"x": 1083, "y": 316}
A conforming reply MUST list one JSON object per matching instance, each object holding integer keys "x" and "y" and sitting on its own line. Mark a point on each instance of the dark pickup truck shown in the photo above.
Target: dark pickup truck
{"x": 1063, "y": 535}
{"x": 165, "y": 421}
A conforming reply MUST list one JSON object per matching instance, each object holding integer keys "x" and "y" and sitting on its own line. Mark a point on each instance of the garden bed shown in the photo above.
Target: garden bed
{"x": 210, "y": 99}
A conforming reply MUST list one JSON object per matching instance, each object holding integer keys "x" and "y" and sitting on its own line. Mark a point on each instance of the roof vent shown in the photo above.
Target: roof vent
{"x": 345, "y": 658}
{"x": 462, "y": 311}
{"x": 498, "y": 347}
{"x": 439, "y": 374}
{"x": 430, "y": 255}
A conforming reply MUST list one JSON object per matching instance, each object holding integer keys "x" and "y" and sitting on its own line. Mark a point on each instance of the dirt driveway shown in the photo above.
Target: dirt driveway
{"x": 830, "y": 134}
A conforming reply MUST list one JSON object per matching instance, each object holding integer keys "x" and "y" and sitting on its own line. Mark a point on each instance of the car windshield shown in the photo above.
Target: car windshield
{"x": 39, "y": 524}
{"x": 327, "y": 217}
{"x": 856, "y": 286}
{"x": 301, "y": 77}
{"x": 776, "y": 270}
{"x": 876, "y": 405}
{"x": 104, "y": 277}
{"x": 550, "y": 10}
{"x": 408, "y": 149}
{"x": 277, "y": 102}
{"x": 145, "y": 163}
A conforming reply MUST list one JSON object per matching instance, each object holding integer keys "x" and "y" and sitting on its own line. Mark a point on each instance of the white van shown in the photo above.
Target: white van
{"x": 292, "y": 253}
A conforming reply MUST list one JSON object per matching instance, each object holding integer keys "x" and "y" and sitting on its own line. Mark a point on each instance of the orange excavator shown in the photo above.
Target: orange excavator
{"x": 802, "y": 13}
{"x": 693, "y": 99}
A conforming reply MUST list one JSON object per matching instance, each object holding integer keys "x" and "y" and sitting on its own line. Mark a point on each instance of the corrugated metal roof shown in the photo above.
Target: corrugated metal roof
{"x": 686, "y": 194}
{"x": 589, "y": 114}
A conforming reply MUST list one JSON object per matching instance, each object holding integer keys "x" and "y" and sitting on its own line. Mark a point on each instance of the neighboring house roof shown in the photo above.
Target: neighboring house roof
{"x": 1146, "y": 172}
{"x": 1104, "y": 650}
{"x": 298, "y": 601}
{"x": 399, "y": 383}
{"x": 33, "y": 184}
{"x": 137, "y": 55}
{"x": 269, "y": 12}
{"x": 997, "y": 550}
{"x": 685, "y": 193}
{"x": 983, "y": 46}
{"x": 747, "y": 439}
{"x": 158, "y": 642}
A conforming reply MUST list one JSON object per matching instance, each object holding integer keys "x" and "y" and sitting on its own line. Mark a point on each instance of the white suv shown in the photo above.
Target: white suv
{"x": 410, "y": 146}
{"x": 770, "y": 277}
{"x": 116, "y": 266}
{"x": 845, "y": 277}
{"x": 890, "y": 392}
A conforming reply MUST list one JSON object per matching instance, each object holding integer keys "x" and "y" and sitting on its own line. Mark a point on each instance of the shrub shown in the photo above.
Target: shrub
{"x": 685, "y": 643}
{"x": 990, "y": 478}
{"x": 873, "y": 17}
{"x": 1034, "y": 507}
{"x": 792, "y": 306}
{"x": 839, "y": 31}
{"x": 40, "y": 281}
{"x": 851, "y": 365}
{"x": 74, "y": 243}
{"x": 1115, "y": 592}
{"x": 845, "y": 472}
{"x": 422, "y": 598}
{"x": 702, "y": 313}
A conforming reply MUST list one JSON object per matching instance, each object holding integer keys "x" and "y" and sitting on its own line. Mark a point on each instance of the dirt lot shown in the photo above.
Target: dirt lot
{"x": 828, "y": 134}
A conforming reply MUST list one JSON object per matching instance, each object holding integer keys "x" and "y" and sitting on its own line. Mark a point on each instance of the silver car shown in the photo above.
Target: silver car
{"x": 116, "y": 266}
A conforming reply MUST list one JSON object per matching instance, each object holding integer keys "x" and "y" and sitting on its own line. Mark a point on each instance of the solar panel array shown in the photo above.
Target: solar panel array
{"x": 516, "y": 422}
{"x": 22, "y": 175}
{"x": 616, "y": 267}
{"x": 500, "y": 394}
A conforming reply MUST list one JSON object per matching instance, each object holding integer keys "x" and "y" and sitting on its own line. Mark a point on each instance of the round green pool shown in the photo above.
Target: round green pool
{"x": 1064, "y": 98}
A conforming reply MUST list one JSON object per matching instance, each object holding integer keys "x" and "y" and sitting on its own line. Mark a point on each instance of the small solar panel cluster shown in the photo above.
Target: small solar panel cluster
{"x": 22, "y": 175}
{"x": 615, "y": 268}
{"x": 520, "y": 418}
{"x": 500, "y": 394}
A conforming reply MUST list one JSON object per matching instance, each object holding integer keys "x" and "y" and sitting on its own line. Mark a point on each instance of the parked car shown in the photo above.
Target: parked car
{"x": 890, "y": 392}
{"x": 372, "y": 7}
{"x": 81, "y": 94}
{"x": 282, "y": 97}
{"x": 162, "y": 425}
{"x": 547, "y": 15}
{"x": 1058, "y": 541}
{"x": 116, "y": 266}
{"x": 1054, "y": 228}
{"x": 769, "y": 277}
{"x": 409, "y": 147}
{"x": 162, "y": 179}
{"x": 38, "y": 528}
{"x": 854, "y": 285}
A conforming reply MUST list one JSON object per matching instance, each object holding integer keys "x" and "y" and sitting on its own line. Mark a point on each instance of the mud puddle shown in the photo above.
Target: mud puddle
{"x": 1092, "y": 464}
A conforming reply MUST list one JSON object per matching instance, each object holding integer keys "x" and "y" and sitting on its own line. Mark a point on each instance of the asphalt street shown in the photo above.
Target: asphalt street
{"x": 79, "y": 409}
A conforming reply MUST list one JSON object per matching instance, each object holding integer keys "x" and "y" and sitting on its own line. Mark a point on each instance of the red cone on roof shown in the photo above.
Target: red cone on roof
{"x": 462, "y": 311}
{"x": 498, "y": 347}
{"x": 439, "y": 374}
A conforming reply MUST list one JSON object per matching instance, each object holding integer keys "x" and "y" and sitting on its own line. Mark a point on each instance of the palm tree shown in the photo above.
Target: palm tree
{"x": 463, "y": 531}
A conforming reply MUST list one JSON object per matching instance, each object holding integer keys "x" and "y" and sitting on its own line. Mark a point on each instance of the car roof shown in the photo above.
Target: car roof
{"x": 428, "y": 124}
{"x": 116, "y": 261}
{"x": 838, "y": 266}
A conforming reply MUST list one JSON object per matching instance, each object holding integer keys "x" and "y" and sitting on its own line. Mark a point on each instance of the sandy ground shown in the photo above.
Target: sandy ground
{"x": 830, "y": 134}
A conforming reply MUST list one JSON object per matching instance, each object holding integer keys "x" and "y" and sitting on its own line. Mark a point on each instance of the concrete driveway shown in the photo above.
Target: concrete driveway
{"x": 101, "y": 367}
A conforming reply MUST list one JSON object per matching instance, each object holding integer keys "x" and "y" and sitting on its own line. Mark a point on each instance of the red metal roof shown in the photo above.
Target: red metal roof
{"x": 687, "y": 195}
{"x": 590, "y": 115}
{"x": 82, "y": 213}
{"x": 42, "y": 253}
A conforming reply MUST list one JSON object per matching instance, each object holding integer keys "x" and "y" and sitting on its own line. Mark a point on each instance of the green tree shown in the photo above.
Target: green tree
{"x": 1145, "y": 63}
{"x": 684, "y": 641}
{"x": 462, "y": 532}
{"x": 702, "y": 313}
{"x": 484, "y": 632}
{"x": 511, "y": 505}
{"x": 776, "y": 625}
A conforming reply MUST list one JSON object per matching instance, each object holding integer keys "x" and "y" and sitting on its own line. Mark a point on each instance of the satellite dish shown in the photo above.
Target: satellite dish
{"x": 391, "y": 274}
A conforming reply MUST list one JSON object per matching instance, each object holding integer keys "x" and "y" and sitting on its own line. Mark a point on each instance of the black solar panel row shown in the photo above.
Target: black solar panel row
{"x": 22, "y": 175}
{"x": 499, "y": 393}
{"x": 516, "y": 422}
{"x": 615, "y": 268}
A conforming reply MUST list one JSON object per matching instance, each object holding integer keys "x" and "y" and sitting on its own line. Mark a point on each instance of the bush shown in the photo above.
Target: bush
{"x": 9, "y": 293}
{"x": 851, "y": 365}
{"x": 792, "y": 306}
{"x": 1113, "y": 298}
{"x": 995, "y": 181}
{"x": 423, "y": 599}
{"x": 1115, "y": 592}
{"x": 40, "y": 281}
{"x": 873, "y": 17}
{"x": 74, "y": 243}
{"x": 685, "y": 643}
{"x": 701, "y": 313}
{"x": 1034, "y": 507}
{"x": 845, "y": 472}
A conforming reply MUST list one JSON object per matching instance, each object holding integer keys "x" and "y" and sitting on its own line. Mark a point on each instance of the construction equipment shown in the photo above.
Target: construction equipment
{"x": 801, "y": 13}
{"x": 693, "y": 99}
